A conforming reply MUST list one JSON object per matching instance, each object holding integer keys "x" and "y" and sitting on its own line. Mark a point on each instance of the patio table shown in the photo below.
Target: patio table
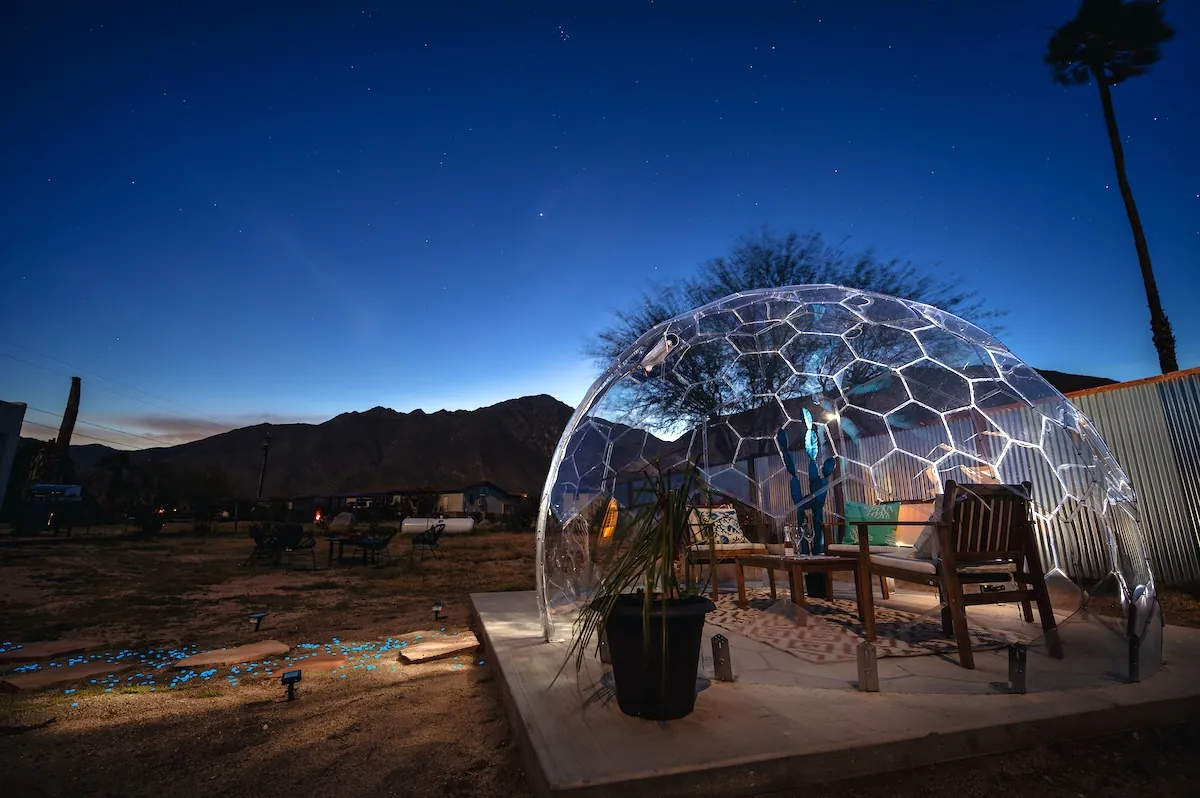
{"x": 795, "y": 566}
{"x": 340, "y": 541}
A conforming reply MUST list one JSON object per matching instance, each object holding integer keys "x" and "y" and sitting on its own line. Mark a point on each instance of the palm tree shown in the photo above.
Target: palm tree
{"x": 1112, "y": 40}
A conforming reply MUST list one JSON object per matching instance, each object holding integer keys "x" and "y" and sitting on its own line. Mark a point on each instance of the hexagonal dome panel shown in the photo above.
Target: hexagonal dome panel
{"x": 818, "y": 354}
{"x": 918, "y": 430}
{"x": 936, "y": 386}
{"x": 886, "y": 345}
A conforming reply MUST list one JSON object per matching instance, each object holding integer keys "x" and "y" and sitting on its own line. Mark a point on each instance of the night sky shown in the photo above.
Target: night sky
{"x": 247, "y": 211}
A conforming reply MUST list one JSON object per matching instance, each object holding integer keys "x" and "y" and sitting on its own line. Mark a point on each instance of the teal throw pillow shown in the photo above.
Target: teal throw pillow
{"x": 882, "y": 531}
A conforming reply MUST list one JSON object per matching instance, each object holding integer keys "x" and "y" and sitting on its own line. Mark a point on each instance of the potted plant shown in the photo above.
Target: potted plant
{"x": 650, "y": 615}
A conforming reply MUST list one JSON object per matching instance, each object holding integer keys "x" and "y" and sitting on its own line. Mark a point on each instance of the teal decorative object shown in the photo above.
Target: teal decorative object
{"x": 879, "y": 534}
{"x": 818, "y": 480}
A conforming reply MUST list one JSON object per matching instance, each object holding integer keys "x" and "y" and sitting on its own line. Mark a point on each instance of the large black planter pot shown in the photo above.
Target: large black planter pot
{"x": 645, "y": 689}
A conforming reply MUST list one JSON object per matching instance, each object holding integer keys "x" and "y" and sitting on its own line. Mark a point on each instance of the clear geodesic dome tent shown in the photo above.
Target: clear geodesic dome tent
{"x": 898, "y": 397}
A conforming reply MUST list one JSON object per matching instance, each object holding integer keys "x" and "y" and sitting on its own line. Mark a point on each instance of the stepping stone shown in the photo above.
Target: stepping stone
{"x": 438, "y": 647}
{"x": 54, "y": 677}
{"x": 48, "y": 649}
{"x": 254, "y": 652}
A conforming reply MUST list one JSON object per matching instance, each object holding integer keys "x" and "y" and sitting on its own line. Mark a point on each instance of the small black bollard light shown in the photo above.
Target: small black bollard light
{"x": 256, "y": 618}
{"x": 438, "y": 608}
{"x": 290, "y": 679}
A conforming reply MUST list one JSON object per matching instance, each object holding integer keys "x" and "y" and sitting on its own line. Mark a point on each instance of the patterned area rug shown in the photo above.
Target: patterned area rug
{"x": 831, "y": 630}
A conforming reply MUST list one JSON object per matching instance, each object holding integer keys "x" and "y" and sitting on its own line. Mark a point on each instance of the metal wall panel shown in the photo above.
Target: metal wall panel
{"x": 1153, "y": 430}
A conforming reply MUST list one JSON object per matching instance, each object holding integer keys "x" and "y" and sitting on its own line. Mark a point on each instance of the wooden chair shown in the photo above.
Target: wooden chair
{"x": 985, "y": 535}
{"x": 834, "y": 531}
{"x": 704, "y": 550}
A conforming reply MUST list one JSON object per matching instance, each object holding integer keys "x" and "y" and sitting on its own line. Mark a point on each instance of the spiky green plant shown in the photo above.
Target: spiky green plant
{"x": 643, "y": 559}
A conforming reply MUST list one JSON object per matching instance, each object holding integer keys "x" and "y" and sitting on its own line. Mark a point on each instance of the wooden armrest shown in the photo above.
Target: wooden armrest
{"x": 864, "y": 532}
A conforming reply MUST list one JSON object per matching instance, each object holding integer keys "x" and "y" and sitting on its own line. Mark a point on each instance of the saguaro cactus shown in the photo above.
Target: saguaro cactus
{"x": 818, "y": 479}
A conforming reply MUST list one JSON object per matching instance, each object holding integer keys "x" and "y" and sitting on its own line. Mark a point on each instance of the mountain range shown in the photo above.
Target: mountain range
{"x": 509, "y": 444}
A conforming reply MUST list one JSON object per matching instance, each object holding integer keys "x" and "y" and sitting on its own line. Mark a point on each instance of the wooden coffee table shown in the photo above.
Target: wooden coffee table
{"x": 796, "y": 566}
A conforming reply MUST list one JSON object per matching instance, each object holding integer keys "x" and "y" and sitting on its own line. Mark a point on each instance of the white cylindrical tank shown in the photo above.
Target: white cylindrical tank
{"x": 454, "y": 526}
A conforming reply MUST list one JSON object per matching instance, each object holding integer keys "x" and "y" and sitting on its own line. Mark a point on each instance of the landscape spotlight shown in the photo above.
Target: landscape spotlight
{"x": 290, "y": 679}
{"x": 438, "y": 607}
{"x": 256, "y": 618}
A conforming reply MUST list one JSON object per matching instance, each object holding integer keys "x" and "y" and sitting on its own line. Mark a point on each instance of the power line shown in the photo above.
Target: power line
{"x": 99, "y": 426}
{"x": 90, "y": 385}
{"x": 109, "y": 379}
{"x": 110, "y": 390}
{"x": 114, "y": 382}
{"x": 79, "y": 434}
{"x": 27, "y": 363}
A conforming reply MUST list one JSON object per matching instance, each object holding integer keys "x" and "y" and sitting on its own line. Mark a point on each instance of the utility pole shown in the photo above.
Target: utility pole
{"x": 266, "y": 449}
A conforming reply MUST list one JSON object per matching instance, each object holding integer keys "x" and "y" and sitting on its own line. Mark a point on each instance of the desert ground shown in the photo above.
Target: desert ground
{"x": 436, "y": 728}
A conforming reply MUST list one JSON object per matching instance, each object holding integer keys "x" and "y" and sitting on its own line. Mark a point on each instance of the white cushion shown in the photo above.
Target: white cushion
{"x": 701, "y": 548}
{"x": 850, "y": 548}
{"x": 989, "y": 568}
{"x": 906, "y": 562}
{"x": 920, "y": 565}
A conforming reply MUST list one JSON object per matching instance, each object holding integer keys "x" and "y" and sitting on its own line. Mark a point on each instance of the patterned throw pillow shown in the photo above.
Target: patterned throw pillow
{"x": 913, "y": 513}
{"x": 879, "y": 534}
{"x": 926, "y": 545}
{"x": 725, "y": 526}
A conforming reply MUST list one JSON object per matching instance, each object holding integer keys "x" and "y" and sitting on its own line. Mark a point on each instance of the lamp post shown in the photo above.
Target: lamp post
{"x": 262, "y": 473}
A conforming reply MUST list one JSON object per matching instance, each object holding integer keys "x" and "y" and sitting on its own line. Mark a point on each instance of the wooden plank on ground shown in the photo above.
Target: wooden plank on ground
{"x": 438, "y": 647}
{"x": 55, "y": 677}
{"x": 317, "y": 663}
{"x": 30, "y": 652}
{"x": 235, "y": 656}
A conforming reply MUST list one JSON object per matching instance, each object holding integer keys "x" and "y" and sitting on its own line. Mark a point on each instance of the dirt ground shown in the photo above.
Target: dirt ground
{"x": 432, "y": 729}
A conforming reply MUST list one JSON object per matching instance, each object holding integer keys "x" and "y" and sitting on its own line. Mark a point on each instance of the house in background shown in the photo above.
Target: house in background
{"x": 489, "y": 499}
{"x": 485, "y": 500}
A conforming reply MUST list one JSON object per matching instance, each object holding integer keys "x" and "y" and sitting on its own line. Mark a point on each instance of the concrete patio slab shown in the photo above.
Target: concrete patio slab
{"x": 785, "y": 722}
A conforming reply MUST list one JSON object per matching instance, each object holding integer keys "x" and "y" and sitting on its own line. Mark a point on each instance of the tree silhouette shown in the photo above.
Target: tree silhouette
{"x": 724, "y": 377}
{"x": 1111, "y": 41}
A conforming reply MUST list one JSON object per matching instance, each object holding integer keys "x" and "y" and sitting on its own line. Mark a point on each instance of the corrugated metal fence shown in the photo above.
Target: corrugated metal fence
{"x": 1152, "y": 427}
